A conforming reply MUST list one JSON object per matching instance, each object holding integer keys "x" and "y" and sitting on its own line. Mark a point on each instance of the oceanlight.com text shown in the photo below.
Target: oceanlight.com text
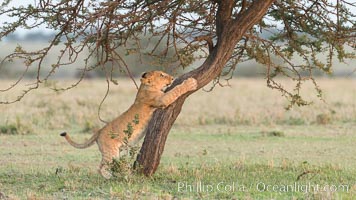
{"x": 232, "y": 187}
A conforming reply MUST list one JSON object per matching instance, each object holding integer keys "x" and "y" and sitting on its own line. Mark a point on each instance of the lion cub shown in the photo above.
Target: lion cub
{"x": 150, "y": 96}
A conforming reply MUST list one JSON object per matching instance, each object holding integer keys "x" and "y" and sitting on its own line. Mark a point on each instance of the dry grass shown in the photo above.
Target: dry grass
{"x": 237, "y": 133}
{"x": 246, "y": 102}
{"x": 243, "y": 114}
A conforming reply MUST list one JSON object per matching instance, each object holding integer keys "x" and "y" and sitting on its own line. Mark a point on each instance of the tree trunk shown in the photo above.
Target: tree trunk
{"x": 229, "y": 31}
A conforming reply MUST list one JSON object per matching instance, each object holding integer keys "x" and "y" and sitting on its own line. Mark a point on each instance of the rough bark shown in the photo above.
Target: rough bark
{"x": 229, "y": 31}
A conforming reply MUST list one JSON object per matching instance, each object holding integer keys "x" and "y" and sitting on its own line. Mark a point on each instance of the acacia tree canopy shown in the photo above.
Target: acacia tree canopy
{"x": 189, "y": 30}
{"x": 222, "y": 33}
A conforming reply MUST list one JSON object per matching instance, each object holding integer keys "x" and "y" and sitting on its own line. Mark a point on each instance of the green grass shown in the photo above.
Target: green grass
{"x": 221, "y": 180}
{"x": 242, "y": 138}
{"x": 198, "y": 163}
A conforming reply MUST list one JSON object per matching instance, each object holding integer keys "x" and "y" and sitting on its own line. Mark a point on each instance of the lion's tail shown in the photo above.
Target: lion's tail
{"x": 80, "y": 146}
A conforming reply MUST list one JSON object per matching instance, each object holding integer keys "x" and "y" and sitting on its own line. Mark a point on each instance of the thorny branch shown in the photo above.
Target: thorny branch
{"x": 180, "y": 33}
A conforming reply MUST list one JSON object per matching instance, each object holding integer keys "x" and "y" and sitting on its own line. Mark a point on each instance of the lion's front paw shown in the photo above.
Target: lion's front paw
{"x": 191, "y": 84}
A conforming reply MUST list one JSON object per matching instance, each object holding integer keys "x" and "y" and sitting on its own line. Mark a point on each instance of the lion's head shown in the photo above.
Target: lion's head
{"x": 156, "y": 79}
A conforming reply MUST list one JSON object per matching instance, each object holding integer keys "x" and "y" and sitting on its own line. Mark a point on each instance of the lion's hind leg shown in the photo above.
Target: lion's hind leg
{"x": 108, "y": 154}
{"x": 104, "y": 169}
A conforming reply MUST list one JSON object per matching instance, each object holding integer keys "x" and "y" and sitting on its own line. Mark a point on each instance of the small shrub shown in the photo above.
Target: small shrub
{"x": 276, "y": 134}
{"x": 15, "y": 128}
{"x": 273, "y": 134}
{"x": 122, "y": 168}
{"x": 10, "y": 129}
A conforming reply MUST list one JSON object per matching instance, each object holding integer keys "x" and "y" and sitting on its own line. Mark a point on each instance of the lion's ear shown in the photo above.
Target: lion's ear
{"x": 145, "y": 79}
{"x": 144, "y": 75}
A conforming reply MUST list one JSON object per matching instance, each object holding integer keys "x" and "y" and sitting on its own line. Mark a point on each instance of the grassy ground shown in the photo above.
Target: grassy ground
{"x": 234, "y": 142}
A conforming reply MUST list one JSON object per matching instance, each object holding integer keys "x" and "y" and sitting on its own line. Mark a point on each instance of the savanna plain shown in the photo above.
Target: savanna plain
{"x": 235, "y": 142}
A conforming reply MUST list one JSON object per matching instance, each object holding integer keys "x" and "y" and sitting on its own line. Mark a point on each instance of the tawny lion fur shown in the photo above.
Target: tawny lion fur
{"x": 150, "y": 96}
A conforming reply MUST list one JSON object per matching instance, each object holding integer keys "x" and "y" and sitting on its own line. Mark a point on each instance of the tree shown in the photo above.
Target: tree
{"x": 221, "y": 32}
